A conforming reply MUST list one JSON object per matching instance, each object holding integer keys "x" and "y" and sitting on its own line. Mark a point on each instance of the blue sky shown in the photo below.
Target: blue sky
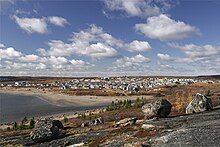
{"x": 108, "y": 38}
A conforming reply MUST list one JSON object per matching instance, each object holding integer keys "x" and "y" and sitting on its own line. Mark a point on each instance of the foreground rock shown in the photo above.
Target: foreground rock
{"x": 159, "y": 108}
{"x": 126, "y": 122}
{"x": 95, "y": 122}
{"x": 199, "y": 103}
{"x": 198, "y": 130}
{"x": 46, "y": 129}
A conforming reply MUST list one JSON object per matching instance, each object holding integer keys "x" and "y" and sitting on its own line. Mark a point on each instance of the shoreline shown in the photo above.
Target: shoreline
{"x": 67, "y": 100}
{"x": 94, "y": 103}
{"x": 56, "y": 116}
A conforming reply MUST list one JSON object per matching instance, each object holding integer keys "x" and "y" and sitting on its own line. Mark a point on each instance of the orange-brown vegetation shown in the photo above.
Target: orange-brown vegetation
{"x": 180, "y": 96}
{"x": 91, "y": 92}
{"x": 109, "y": 116}
{"x": 10, "y": 133}
{"x": 99, "y": 92}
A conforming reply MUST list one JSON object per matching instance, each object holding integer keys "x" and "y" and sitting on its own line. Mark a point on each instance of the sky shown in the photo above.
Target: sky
{"x": 109, "y": 37}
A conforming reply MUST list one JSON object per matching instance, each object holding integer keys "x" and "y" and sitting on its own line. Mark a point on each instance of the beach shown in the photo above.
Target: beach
{"x": 67, "y": 105}
{"x": 66, "y": 100}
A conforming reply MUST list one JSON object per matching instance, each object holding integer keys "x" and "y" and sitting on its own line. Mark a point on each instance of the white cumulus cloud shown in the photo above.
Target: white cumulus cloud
{"x": 164, "y": 28}
{"x": 99, "y": 51}
{"x": 197, "y": 51}
{"x": 32, "y": 25}
{"x": 14, "y": 62}
{"x": 92, "y": 42}
{"x": 41, "y": 66}
{"x": 39, "y": 25}
{"x": 140, "y": 8}
{"x": 138, "y": 46}
{"x": 59, "y": 21}
{"x": 58, "y": 48}
{"x": 81, "y": 64}
{"x": 29, "y": 58}
{"x": 199, "y": 58}
{"x": 164, "y": 57}
{"x": 8, "y": 53}
{"x": 131, "y": 63}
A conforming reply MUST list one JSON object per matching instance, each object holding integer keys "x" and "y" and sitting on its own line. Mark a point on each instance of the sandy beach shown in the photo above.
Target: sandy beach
{"x": 66, "y": 100}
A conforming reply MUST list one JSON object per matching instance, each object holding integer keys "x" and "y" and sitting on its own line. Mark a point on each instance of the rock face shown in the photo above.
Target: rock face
{"x": 97, "y": 121}
{"x": 199, "y": 103}
{"x": 126, "y": 122}
{"x": 195, "y": 130}
{"x": 46, "y": 129}
{"x": 159, "y": 108}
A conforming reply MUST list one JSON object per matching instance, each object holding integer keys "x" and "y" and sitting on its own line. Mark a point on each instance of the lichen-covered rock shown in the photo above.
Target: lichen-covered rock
{"x": 94, "y": 122}
{"x": 199, "y": 103}
{"x": 159, "y": 108}
{"x": 126, "y": 122}
{"x": 46, "y": 129}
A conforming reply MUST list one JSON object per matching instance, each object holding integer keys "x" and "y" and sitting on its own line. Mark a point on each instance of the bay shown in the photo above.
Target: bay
{"x": 16, "y": 107}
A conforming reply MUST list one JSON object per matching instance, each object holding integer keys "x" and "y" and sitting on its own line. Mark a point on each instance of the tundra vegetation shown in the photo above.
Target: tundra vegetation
{"x": 107, "y": 133}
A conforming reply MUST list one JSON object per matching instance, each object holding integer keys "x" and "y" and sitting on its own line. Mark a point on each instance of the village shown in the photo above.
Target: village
{"x": 130, "y": 84}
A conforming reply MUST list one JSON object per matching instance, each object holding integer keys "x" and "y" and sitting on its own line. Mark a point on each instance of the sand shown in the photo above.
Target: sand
{"x": 66, "y": 100}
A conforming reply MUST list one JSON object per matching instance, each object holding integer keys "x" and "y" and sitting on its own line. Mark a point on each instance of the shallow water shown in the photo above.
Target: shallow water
{"x": 16, "y": 107}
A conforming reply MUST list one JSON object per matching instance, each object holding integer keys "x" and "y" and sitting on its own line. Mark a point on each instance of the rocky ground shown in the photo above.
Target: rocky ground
{"x": 202, "y": 129}
{"x": 129, "y": 127}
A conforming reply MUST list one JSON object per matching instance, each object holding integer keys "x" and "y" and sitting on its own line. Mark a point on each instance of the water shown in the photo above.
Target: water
{"x": 16, "y": 107}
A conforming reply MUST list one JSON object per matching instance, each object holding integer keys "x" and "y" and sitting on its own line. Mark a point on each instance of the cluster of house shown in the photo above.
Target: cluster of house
{"x": 122, "y": 83}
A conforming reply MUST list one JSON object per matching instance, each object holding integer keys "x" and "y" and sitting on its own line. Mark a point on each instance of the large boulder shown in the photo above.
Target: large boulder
{"x": 159, "y": 108}
{"x": 46, "y": 129}
{"x": 199, "y": 103}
